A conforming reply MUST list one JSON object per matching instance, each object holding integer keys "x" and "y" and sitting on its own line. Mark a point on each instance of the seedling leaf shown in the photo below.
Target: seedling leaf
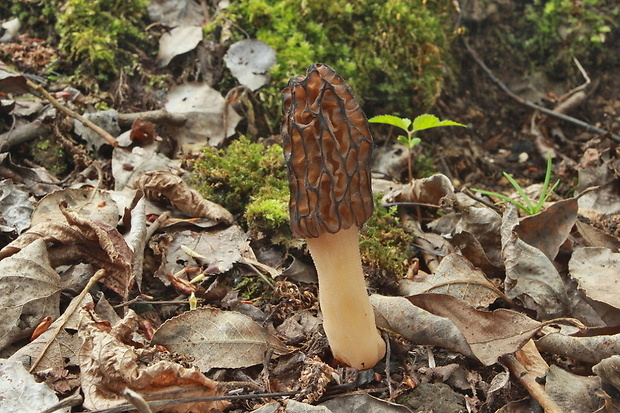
{"x": 428, "y": 121}
{"x": 402, "y": 123}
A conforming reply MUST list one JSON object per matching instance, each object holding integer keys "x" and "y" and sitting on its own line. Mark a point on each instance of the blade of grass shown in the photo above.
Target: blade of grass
{"x": 521, "y": 192}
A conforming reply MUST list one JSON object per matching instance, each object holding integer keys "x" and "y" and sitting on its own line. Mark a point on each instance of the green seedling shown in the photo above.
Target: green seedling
{"x": 421, "y": 122}
{"x": 527, "y": 206}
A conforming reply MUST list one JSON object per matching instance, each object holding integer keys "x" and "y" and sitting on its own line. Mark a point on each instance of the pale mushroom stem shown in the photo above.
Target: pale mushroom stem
{"x": 348, "y": 318}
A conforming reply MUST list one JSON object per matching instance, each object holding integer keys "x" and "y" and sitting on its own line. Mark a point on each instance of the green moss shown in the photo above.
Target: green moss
{"x": 559, "y": 30}
{"x": 393, "y": 53}
{"x": 385, "y": 246}
{"x": 50, "y": 155}
{"x": 248, "y": 179}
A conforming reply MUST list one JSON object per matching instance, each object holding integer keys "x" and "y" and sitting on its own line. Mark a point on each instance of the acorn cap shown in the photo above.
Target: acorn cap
{"x": 327, "y": 148}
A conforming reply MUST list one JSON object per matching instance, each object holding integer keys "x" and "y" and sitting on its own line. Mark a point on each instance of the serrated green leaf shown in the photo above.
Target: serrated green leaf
{"x": 428, "y": 121}
{"x": 402, "y": 123}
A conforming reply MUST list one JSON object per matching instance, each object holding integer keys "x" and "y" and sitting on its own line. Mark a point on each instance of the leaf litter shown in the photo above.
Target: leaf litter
{"x": 508, "y": 285}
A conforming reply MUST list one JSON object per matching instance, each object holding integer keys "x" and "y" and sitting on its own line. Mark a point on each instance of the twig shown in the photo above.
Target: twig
{"x": 388, "y": 360}
{"x": 97, "y": 129}
{"x": 528, "y": 381}
{"x": 519, "y": 99}
{"x": 70, "y": 310}
{"x": 154, "y": 116}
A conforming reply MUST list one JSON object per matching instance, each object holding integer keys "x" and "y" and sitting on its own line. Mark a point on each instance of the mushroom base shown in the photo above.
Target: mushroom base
{"x": 348, "y": 318}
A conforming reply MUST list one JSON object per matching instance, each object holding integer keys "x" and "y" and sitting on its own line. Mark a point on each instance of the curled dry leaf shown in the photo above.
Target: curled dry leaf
{"x": 163, "y": 185}
{"x": 427, "y": 190}
{"x": 548, "y": 229}
{"x": 108, "y": 366}
{"x": 217, "y": 338}
{"x": 488, "y": 334}
{"x": 457, "y": 277}
{"x": 531, "y": 277}
{"x": 177, "y": 41}
{"x": 597, "y": 270}
{"x": 79, "y": 239}
{"x": 29, "y": 291}
{"x": 586, "y": 349}
{"x": 128, "y": 164}
{"x": 418, "y": 325}
{"x": 362, "y": 402}
{"x": 609, "y": 370}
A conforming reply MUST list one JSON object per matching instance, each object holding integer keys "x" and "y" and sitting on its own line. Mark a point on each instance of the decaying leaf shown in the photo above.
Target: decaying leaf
{"x": 548, "y": 229}
{"x": 587, "y": 349}
{"x": 29, "y": 291}
{"x": 489, "y": 334}
{"x": 12, "y": 82}
{"x": 21, "y": 393}
{"x": 457, "y": 277}
{"x": 174, "y": 13}
{"x": 249, "y": 61}
{"x": 427, "y": 190}
{"x": 128, "y": 164}
{"x": 216, "y": 338}
{"x": 177, "y": 41}
{"x": 609, "y": 370}
{"x": 89, "y": 203}
{"x": 217, "y": 249}
{"x": 573, "y": 393}
{"x": 106, "y": 119}
{"x": 352, "y": 403}
{"x": 418, "y": 325}
{"x": 79, "y": 239}
{"x": 596, "y": 237}
{"x": 163, "y": 185}
{"x": 210, "y": 119}
{"x": 15, "y": 207}
{"x": 64, "y": 349}
{"x": 530, "y": 276}
{"x": 108, "y": 366}
{"x": 597, "y": 270}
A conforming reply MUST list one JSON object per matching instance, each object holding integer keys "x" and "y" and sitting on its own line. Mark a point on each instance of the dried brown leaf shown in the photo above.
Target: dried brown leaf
{"x": 80, "y": 239}
{"x": 609, "y": 370}
{"x": 483, "y": 224}
{"x": 216, "y": 338}
{"x": 457, "y": 277}
{"x": 427, "y": 190}
{"x": 587, "y": 349}
{"x": 597, "y": 271}
{"x": 573, "y": 393}
{"x": 488, "y": 334}
{"x": 530, "y": 276}
{"x": 93, "y": 204}
{"x": 219, "y": 249}
{"x": 596, "y": 237}
{"x": 548, "y": 229}
{"x": 418, "y": 325}
{"x": 108, "y": 366}
{"x": 65, "y": 347}
{"x": 164, "y": 185}
{"x": 29, "y": 291}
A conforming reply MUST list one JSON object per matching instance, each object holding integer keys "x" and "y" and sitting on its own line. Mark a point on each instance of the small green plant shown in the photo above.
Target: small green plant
{"x": 420, "y": 123}
{"x": 527, "y": 206}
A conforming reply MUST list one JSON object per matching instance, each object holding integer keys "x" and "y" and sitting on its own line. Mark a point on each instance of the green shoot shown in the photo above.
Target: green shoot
{"x": 421, "y": 122}
{"x": 527, "y": 206}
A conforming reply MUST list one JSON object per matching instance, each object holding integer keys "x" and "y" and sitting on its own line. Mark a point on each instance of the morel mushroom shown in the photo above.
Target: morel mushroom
{"x": 327, "y": 147}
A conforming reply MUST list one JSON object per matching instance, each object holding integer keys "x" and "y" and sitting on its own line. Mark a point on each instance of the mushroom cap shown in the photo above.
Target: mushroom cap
{"x": 327, "y": 148}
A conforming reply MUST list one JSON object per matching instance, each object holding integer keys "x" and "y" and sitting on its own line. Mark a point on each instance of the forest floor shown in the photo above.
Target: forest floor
{"x": 496, "y": 310}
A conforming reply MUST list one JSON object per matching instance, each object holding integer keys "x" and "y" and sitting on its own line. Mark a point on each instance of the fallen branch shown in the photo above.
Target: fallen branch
{"x": 153, "y": 116}
{"x": 35, "y": 88}
{"x": 519, "y": 99}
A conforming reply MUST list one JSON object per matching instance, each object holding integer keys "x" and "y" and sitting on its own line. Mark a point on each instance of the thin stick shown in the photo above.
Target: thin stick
{"x": 97, "y": 129}
{"x": 528, "y": 381}
{"x": 70, "y": 310}
{"x": 519, "y": 99}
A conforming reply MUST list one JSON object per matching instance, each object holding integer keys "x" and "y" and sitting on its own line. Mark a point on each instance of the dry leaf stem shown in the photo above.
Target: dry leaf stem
{"x": 70, "y": 310}
{"x": 528, "y": 381}
{"x": 97, "y": 129}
